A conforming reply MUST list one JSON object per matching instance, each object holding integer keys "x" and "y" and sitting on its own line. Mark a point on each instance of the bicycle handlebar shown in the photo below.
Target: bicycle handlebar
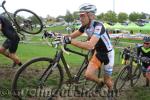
{"x": 139, "y": 58}
{"x": 57, "y": 40}
{"x": 2, "y": 5}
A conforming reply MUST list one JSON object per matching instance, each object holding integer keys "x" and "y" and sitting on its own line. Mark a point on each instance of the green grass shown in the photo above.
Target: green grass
{"x": 29, "y": 51}
{"x": 61, "y": 29}
{"x": 37, "y": 48}
{"x": 129, "y": 40}
{"x": 136, "y": 93}
{"x": 143, "y": 94}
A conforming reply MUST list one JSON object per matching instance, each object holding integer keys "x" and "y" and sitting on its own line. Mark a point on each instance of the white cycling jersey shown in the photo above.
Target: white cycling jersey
{"x": 103, "y": 47}
{"x": 97, "y": 29}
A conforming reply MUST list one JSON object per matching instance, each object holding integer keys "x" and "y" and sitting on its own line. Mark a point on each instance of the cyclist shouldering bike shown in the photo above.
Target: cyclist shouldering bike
{"x": 11, "y": 43}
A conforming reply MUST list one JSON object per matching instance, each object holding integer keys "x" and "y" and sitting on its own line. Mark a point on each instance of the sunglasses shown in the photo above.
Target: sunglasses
{"x": 146, "y": 43}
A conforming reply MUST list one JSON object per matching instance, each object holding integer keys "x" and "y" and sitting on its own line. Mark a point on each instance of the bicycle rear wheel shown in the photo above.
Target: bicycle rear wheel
{"x": 28, "y": 81}
{"x": 122, "y": 78}
{"x": 27, "y": 21}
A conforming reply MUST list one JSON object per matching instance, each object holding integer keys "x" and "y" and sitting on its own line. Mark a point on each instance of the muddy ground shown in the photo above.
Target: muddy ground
{"x": 7, "y": 73}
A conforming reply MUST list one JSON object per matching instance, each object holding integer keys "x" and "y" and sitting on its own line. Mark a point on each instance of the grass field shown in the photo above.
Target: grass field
{"x": 36, "y": 47}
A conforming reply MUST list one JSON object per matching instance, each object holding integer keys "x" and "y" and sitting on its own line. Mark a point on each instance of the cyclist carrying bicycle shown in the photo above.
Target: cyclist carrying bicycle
{"x": 144, "y": 52}
{"x": 11, "y": 42}
{"x": 99, "y": 41}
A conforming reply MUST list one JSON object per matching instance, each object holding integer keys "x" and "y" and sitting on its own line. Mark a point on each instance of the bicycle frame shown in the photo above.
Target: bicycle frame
{"x": 131, "y": 71}
{"x": 59, "y": 56}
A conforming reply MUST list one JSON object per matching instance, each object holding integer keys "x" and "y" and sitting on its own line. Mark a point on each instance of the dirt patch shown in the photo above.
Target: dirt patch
{"x": 7, "y": 72}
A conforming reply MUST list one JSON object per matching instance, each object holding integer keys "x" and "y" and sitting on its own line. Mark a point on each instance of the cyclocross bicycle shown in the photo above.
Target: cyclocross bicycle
{"x": 130, "y": 72}
{"x": 47, "y": 75}
{"x": 24, "y": 20}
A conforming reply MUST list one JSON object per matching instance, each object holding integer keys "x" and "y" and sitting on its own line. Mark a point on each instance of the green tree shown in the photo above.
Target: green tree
{"x": 110, "y": 16}
{"x": 142, "y": 16}
{"x": 101, "y": 17}
{"x": 68, "y": 17}
{"x": 122, "y": 17}
{"x": 76, "y": 16}
{"x": 134, "y": 16}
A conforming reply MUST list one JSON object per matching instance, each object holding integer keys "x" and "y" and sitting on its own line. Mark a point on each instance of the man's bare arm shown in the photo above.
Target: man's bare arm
{"x": 86, "y": 45}
{"x": 75, "y": 34}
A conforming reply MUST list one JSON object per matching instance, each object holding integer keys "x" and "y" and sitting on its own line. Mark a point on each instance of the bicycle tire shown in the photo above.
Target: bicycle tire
{"x": 122, "y": 78}
{"x": 28, "y": 80}
{"x": 136, "y": 75}
{"x": 33, "y": 23}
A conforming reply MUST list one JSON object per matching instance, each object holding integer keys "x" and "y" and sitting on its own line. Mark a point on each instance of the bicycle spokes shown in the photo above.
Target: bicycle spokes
{"x": 27, "y": 21}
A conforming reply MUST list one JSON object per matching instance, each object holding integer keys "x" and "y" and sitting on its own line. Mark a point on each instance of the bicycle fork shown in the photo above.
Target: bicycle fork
{"x": 47, "y": 72}
{"x": 130, "y": 75}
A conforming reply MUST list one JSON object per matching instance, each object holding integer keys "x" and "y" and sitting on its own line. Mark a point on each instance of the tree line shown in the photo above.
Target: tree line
{"x": 109, "y": 16}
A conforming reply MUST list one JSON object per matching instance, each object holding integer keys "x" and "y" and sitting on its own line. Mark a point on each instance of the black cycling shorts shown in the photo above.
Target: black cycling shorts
{"x": 103, "y": 57}
{"x": 12, "y": 45}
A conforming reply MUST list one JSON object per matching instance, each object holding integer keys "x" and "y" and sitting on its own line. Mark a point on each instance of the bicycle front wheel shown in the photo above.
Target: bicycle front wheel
{"x": 38, "y": 78}
{"x": 136, "y": 75}
{"x": 27, "y": 21}
{"x": 122, "y": 78}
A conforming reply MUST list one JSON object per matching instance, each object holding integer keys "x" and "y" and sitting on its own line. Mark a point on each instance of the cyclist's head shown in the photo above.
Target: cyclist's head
{"x": 146, "y": 42}
{"x": 87, "y": 13}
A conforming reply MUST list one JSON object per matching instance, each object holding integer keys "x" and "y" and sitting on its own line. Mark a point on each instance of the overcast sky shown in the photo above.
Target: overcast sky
{"x": 59, "y": 7}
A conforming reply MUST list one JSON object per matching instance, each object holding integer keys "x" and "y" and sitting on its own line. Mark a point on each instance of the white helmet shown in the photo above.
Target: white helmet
{"x": 86, "y": 7}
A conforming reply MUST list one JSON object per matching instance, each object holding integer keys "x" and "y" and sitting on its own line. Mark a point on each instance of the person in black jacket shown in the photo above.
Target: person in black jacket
{"x": 125, "y": 55}
{"x": 144, "y": 52}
